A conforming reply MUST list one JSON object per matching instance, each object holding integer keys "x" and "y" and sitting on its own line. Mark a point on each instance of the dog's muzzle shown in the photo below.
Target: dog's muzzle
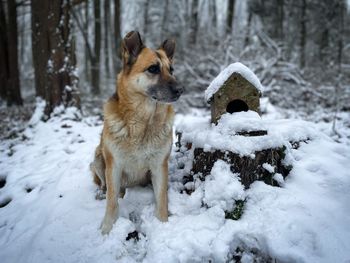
{"x": 166, "y": 92}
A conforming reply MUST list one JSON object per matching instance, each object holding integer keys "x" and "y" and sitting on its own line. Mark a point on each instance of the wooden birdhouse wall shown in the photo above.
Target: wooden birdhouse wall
{"x": 236, "y": 94}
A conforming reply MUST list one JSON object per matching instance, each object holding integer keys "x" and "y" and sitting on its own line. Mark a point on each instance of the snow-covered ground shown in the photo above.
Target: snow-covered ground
{"x": 53, "y": 215}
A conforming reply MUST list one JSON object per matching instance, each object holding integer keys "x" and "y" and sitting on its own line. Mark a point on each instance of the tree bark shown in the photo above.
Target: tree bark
{"x": 194, "y": 22}
{"x": 95, "y": 65}
{"x": 3, "y": 54}
{"x": 145, "y": 17}
{"x": 164, "y": 20}
{"x": 107, "y": 21}
{"x": 341, "y": 9}
{"x": 212, "y": 10}
{"x": 303, "y": 33}
{"x": 117, "y": 36}
{"x": 250, "y": 170}
{"x": 87, "y": 55}
{"x": 280, "y": 19}
{"x": 13, "y": 89}
{"x": 40, "y": 45}
{"x": 53, "y": 54}
{"x": 230, "y": 16}
{"x": 249, "y": 24}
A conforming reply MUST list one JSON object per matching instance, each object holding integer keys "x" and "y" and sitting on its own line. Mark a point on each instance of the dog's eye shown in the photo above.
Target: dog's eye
{"x": 154, "y": 69}
{"x": 171, "y": 70}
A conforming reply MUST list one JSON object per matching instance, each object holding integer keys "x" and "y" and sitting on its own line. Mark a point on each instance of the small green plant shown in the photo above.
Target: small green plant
{"x": 237, "y": 212}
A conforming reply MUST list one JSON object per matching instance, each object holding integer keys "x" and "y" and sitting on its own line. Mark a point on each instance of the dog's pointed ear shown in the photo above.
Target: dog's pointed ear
{"x": 131, "y": 47}
{"x": 169, "y": 48}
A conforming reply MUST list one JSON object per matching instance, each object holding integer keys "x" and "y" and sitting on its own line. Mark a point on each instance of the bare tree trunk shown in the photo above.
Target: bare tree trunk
{"x": 280, "y": 19}
{"x": 22, "y": 35}
{"x": 86, "y": 29}
{"x": 95, "y": 65}
{"x": 53, "y": 54}
{"x": 107, "y": 22}
{"x": 230, "y": 16}
{"x": 341, "y": 9}
{"x": 117, "y": 36}
{"x": 303, "y": 33}
{"x": 145, "y": 17}
{"x": 164, "y": 19}
{"x": 3, "y": 54}
{"x": 323, "y": 44}
{"x": 194, "y": 22}
{"x": 13, "y": 86}
{"x": 212, "y": 11}
{"x": 40, "y": 45}
{"x": 249, "y": 25}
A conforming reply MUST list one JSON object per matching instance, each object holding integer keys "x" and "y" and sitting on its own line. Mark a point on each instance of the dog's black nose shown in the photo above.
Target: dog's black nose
{"x": 180, "y": 90}
{"x": 176, "y": 88}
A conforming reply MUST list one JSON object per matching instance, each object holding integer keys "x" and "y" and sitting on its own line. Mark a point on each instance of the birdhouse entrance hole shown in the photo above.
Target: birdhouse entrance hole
{"x": 237, "y": 106}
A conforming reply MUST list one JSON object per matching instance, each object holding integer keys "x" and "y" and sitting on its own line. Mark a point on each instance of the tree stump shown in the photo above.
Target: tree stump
{"x": 249, "y": 169}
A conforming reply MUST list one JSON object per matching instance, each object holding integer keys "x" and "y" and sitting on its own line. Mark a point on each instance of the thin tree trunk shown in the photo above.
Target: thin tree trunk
{"x": 22, "y": 34}
{"x": 230, "y": 16}
{"x": 303, "y": 33}
{"x": 3, "y": 54}
{"x": 164, "y": 19}
{"x": 194, "y": 22}
{"x": 107, "y": 22}
{"x": 341, "y": 10}
{"x": 95, "y": 66}
{"x": 280, "y": 19}
{"x": 212, "y": 11}
{"x": 13, "y": 89}
{"x": 323, "y": 44}
{"x": 249, "y": 25}
{"x": 145, "y": 17}
{"x": 86, "y": 29}
{"x": 117, "y": 36}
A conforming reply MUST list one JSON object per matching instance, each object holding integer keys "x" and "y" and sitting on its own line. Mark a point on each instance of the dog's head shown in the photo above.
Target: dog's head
{"x": 149, "y": 72}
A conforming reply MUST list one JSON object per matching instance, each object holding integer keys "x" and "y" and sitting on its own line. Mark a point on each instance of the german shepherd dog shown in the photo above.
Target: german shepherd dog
{"x": 137, "y": 133}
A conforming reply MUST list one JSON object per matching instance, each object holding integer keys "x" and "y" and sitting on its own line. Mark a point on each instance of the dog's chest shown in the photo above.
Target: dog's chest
{"x": 140, "y": 141}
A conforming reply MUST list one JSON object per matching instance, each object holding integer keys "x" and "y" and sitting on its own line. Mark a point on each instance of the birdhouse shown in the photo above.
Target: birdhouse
{"x": 235, "y": 89}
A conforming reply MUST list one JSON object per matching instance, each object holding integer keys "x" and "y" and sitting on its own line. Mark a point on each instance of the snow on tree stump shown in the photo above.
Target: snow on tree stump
{"x": 235, "y": 133}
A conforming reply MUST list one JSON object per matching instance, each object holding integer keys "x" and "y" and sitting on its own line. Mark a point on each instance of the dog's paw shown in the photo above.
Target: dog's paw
{"x": 163, "y": 217}
{"x": 106, "y": 225}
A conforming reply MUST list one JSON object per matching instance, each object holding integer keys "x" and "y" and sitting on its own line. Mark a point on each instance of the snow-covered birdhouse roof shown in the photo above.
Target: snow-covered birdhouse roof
{"x": 235, "y": 89}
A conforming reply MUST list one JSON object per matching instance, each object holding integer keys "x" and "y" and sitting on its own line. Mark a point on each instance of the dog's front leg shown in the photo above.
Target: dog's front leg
{"x": 113, "y": 176}
{"x": 160, "y": 187}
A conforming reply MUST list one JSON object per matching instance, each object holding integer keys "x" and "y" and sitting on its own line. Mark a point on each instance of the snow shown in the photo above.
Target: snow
{"x": 268, "y": 167}
{"x": 222, "y": 187}
{"x": 280, "y": 132}
{"x": 226, "y": 73}
{"x": 304, "y": 220}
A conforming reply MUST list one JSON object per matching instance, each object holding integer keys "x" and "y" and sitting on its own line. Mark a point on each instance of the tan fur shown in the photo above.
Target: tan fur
{"x": 136, "y": 139}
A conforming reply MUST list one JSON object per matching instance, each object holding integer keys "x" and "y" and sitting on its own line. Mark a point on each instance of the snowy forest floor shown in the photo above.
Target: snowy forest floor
{"x": 48, "y": 210}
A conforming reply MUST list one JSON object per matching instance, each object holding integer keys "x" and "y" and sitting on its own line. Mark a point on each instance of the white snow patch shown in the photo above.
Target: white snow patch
{"x": 38, "y": 112}
{"x": 268, "y": 167}
{"x": 202, "y": 134}
{"x": 278, "y": 178}
{"x": 226, "y": 73}
{"x": 222, "y": 187}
